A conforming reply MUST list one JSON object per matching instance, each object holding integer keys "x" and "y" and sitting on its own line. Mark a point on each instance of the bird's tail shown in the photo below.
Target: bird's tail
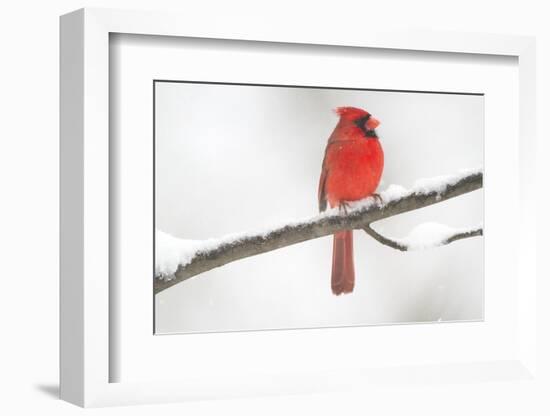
{"x": 343, "y": 272}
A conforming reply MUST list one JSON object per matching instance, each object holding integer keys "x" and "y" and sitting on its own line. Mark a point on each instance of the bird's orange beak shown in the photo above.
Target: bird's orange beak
{"x": 372, "y": 123}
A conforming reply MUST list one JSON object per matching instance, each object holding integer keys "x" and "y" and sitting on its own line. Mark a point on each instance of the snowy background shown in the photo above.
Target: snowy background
{"x": 237, "y": 158}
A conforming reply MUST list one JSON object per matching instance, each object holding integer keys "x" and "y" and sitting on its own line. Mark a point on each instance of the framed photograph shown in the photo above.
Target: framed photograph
{"x": 276, "y": 224}
{"x": 264, "y": 163}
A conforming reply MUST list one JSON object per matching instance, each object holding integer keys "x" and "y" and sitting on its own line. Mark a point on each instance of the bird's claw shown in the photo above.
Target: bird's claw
{"x": 377, "y": 198}
{"x": 344, "y": 207}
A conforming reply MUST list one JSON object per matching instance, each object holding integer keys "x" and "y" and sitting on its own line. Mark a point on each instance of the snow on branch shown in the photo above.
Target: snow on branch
{"x": 178, "y": 260}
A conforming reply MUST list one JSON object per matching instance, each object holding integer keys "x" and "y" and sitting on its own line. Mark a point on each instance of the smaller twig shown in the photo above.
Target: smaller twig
{"x": 404, "y": 247}
{"x": 384, "y": 240}
{"x": 465, "y": 234}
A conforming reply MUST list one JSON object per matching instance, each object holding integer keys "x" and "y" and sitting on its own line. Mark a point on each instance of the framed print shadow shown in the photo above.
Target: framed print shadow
{"x": 280, "y": 207}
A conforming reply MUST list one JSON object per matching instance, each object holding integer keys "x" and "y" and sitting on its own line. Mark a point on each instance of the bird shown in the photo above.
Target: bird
{"x": 351, "y": 170}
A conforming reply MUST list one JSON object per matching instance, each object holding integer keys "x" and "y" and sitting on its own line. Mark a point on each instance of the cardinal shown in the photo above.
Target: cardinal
{"x": 352, "y": 168}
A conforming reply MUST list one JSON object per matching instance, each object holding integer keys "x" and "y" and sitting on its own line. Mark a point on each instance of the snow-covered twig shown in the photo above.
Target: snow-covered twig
{"x": 193, "y": 258}
{"x": 427, "y": 235}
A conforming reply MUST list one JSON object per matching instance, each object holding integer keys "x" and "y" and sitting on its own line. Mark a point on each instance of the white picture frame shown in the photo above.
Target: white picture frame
{"x": 85, "y": 222}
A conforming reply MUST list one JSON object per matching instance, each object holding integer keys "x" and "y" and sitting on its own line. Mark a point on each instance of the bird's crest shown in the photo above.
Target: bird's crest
{"x": 351, "y": 113}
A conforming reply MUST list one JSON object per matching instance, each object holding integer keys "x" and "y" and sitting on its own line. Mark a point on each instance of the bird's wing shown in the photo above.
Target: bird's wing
{"x": 321, "y": 194}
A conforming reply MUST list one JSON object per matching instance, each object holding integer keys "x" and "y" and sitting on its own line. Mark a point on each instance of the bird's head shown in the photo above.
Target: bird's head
{"x": 362, "y": 119}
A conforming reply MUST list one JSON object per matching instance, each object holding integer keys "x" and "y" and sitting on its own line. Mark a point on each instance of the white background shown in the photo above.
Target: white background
{"x": 29, "y": 208}
{"x": 235, "y": 158}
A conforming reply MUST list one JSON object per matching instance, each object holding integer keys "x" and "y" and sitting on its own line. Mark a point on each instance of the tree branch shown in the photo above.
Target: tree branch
{"x": 360, "y": 215}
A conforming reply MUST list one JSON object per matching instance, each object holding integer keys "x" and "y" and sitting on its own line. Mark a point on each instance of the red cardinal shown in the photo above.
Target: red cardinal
{"x": 352, "y": 168}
